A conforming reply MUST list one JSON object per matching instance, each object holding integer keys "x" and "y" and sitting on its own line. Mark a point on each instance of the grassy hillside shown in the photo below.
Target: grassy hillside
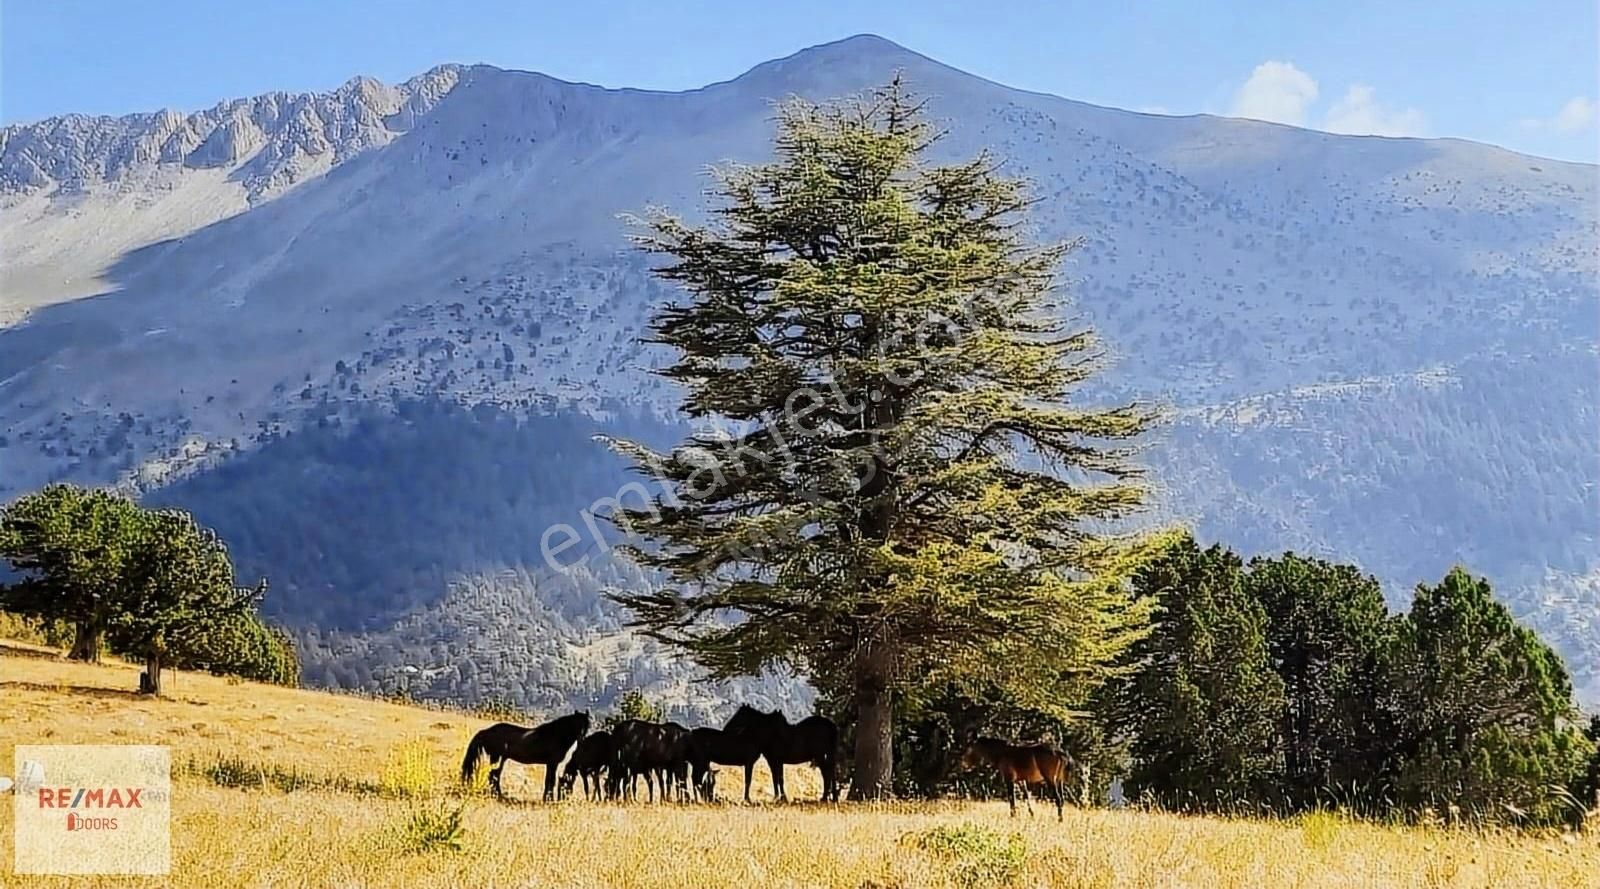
{"x": 365, "y": 768}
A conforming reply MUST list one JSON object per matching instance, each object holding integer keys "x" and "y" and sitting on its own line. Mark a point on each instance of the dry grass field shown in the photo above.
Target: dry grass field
{"x": 361, "y": 793}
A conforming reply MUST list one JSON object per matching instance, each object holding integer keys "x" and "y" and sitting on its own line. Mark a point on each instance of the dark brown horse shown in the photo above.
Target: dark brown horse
{"x": 593, "y": 755}
{"x": 813, "y": 740}
{"x": 713, "y": 746}
{"x": 657, "y": 751}
{"x": 1023, "y": 764}
{"x": 545, "y": 745}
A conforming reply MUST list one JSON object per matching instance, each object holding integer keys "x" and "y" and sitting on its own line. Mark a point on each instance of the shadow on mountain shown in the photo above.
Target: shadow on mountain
{"x": 357, "y": 522}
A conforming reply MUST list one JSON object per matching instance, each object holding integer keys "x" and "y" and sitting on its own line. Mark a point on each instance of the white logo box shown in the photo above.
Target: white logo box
{"x": 92, "y": 809}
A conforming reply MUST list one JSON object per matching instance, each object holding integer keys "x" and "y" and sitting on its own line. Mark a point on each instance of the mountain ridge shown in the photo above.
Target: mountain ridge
{"x": 168, "y": 325}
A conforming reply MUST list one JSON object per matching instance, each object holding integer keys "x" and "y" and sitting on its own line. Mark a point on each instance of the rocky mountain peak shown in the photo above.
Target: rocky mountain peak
{"x": 268, "y": 142}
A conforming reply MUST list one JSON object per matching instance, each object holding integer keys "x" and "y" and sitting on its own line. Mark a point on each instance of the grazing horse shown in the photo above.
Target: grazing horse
{"x": 713, "y": 746}
{"x": 593, "y": 755}
{"x": 545, "y": 745}
{"x": 656, "y": 750}
{"x": 813, "y": 740}
{"x": 1029, "y": 764}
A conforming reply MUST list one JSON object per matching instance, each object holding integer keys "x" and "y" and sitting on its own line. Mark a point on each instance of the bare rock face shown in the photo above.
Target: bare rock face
{"x": 272, "y": 141}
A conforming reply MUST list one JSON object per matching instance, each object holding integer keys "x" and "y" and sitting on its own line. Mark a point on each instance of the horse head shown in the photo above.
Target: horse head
{"x": 978, "y": 752}
{"x": 745, "y": 719}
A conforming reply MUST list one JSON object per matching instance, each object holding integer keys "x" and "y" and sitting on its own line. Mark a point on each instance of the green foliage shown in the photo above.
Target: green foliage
{"x": 237, "y": 772}
{"x": 153, "y": 583}
{"x": 432, "y": 827}
{"x": 1288, "y": 686}
{"x": 1204, "y": 707}
{"x": 976, "y": 856}
{"x": 1588, "y": 790}
{"x": 179, "y": 575}
{"x": 906, "y": 501}
{"x": 634, "y": 705}
{"x": 72, "y": 548}
{"x": 1327, "y": 631}
{"x": 236, "y": 644}
{"x": 1484, "y": 709}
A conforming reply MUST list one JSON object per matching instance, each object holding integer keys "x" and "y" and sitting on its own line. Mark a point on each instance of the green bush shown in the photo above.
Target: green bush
{"x": 428, "y": 828}
{"x": 239, "y": 773}
{"x": 976, "y": 856}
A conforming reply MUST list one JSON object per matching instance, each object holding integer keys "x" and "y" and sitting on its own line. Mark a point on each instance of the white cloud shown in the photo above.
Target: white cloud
{"x": 1280, "y": 92}
{"x": 1359, "y": 113}
{"x": 1276, "y": 91}
{"x": 1576, "y": 116}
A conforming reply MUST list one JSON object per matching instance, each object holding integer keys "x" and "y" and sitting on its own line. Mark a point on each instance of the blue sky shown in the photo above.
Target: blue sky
{"x": 1518, "y": 75}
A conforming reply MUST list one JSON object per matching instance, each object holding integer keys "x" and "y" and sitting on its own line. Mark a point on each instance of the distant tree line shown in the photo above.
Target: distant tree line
{"x": 149, "y": 584}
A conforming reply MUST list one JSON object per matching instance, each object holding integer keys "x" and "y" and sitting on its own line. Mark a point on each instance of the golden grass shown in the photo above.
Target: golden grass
{"x": 224, "y": 836}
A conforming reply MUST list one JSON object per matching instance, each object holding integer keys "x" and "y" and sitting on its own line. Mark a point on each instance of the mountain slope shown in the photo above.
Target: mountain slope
{"x": 457, "y": 239}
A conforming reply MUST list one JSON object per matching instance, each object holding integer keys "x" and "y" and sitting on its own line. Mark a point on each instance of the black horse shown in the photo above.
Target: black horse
{"x": 657, "y": 751}
{"x": 713, "y": 746}
{"x": 545, "y": 745}
{"x": 813, "y": 740}
{"x": 593, "y": 755}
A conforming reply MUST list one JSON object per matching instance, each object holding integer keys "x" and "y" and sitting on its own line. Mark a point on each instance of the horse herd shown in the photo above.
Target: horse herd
{"x": 665, "y": 754}
{"x": 677, "y": 762}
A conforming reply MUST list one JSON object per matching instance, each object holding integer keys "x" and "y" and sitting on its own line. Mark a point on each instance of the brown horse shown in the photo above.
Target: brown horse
{"x": 1029, "y": 764}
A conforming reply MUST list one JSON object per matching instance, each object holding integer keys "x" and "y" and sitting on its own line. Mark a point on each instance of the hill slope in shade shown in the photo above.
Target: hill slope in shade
{"x": 1376, "y": 349}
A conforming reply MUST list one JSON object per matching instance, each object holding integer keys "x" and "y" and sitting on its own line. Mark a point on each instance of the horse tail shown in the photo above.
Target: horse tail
{"x": 469, "y": 764}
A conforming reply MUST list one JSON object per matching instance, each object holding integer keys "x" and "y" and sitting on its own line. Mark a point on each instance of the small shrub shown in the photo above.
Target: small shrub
{"x": 237, "y": 772}
{"x": 50, "y": 633}
{"x": 432, "y": 827}
{"x": 406, "y": 772}
{"x": 1320, "y": 828}
{"x": 976, "y": 856}
{"x": 634, "y": 705}
{"x": 499, "y": 709}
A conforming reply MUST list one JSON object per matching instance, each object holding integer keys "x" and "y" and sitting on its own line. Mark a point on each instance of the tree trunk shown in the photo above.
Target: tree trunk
{"x": 874, "y": 766}
{"x": 150, "y": 679}
{"x": 86, "y": 644}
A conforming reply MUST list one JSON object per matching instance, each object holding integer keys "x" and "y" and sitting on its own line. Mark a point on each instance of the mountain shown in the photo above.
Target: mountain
{"x": 367, "y": 334}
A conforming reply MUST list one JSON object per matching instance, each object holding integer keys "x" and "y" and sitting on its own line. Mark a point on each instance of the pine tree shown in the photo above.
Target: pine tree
{"x": 1487, "y": 723}
{"x": 1327, "y": 630}
{"x": 179, "y": 575}
{"x": 1203, "y": 706}
{"x": 70, "y": 547}
{"x": 899, "y": 494}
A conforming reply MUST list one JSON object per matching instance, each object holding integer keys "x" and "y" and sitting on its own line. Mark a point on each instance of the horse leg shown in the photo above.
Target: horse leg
{"x": 549, "y": 782}
{"x": 1058, "y": 788}
{"x": 496, "y": 767}
{"x": 777, "y": 781}
{"x": 1027, "y": 798}
{"x": 749, "y": 776}
{"x": 1011, "y": 791}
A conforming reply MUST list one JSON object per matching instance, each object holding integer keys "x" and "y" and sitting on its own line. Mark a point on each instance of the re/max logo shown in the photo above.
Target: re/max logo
{"x": 90, "y": 798}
